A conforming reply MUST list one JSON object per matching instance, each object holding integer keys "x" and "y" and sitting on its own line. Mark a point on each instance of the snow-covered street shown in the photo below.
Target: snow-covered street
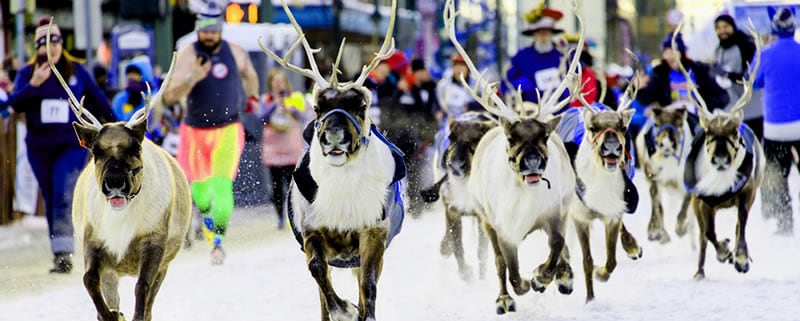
{"x": 265, "y": 277}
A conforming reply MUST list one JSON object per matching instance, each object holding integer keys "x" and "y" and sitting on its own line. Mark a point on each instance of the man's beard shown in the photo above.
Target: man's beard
{"x": 543, "y": 47}
{"x": 209, "y": 48}
{"x": 727, "y": 42}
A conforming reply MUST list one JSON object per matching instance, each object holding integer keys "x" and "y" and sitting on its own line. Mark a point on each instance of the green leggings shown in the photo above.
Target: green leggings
{"x": 215, "y": 195}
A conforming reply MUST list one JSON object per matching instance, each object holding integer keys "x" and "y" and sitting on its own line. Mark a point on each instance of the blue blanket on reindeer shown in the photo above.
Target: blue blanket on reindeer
{"x": 394, "y": 209}
{"x": 571, "y": 129}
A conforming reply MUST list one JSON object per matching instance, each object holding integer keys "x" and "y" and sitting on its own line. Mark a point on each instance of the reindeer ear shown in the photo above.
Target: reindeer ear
{"x": 587, "y": 118}
{"x": 507, "y": 124}
{"x": 86, "y": 134}
{"x": 738, "y": 116}
{"x": 657, "y": 110}
{"x": 487, "y": 126}
{"x": 704, "y": 118}
{"x": 553, "y": 123}
{"x": 627, "y": 116}
{"x": 139, "y": 130}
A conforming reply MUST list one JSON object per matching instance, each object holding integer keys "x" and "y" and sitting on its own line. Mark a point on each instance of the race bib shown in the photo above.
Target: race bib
{"x": 547, "y": 79}
{"x": 55, "y": 111}
{"x": 170, "y": 143}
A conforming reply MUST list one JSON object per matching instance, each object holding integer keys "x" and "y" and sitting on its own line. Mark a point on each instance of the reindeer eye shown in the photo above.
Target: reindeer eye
{"x": 592, "y": 129}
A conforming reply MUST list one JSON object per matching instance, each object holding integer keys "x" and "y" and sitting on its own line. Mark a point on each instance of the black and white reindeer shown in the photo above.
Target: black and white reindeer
{"x": 724, "y": 169}
{"x": 345, "y": 203}
{"x": 662, "y": 147}
{"x": 452, "y": 166}
{"x": 522, "y": 181}
{"x": 603, "y": 170}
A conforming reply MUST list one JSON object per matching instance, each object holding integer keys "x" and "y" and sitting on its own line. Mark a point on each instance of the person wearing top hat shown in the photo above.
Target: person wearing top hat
{"x": 214, "y": 76}
{"x": 536, "y": 67}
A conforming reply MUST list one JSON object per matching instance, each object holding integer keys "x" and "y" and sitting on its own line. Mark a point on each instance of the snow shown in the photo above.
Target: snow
{"x": 265, "y": 277}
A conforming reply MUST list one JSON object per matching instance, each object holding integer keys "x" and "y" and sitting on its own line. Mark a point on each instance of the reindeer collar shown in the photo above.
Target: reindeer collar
{"x": 363, "y": 137}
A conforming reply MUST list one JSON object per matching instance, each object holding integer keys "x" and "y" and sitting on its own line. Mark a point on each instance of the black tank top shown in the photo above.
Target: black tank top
{"x": 218, "y": 99}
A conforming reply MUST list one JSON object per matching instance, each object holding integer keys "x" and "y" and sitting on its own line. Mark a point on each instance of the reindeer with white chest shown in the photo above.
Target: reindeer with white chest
{"x": 345, "y": 202}
{"x": 604, "y": 191}
{"x": 662, "y": 146}
{"x": 724, "y": 169}
{"x": 522, "y": 181}
{"x": 132, "y": 207}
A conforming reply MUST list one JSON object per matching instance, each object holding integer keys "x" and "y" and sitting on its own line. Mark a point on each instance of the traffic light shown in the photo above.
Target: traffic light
{"x": 241, "y": 12}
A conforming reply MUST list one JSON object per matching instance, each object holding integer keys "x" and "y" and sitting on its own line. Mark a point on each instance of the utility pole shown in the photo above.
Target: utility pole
{"x": 20, "y": 19}
{"x": 89, "y": 45}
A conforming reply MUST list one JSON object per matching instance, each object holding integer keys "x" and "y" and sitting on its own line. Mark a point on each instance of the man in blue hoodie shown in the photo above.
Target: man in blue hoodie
{"x": 777, "y": 77}
{"x": 138, "y": 73}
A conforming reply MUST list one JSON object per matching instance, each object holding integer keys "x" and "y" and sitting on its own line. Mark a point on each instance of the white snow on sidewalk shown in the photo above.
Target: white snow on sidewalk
{"x": 265, "y": 278}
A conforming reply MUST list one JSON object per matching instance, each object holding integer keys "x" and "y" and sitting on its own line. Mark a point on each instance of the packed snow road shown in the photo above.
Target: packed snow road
{"x": 265, "y": 277}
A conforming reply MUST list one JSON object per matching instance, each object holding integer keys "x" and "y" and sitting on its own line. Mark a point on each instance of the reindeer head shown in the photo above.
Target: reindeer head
{"x": 116, "y": 148}
{"x": 342, "y": 125}
{"x": 723, "y": 143}
{"x": 668, "y": 122}
{"x": 605, "y": 130}
{"x": 527, "y": 127}
{"x": 465, "y": 134}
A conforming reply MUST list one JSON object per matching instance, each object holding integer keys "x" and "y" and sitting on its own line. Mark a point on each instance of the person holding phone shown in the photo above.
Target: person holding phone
{"x": 54, "y": 152}
{"x": 214, "y": 76}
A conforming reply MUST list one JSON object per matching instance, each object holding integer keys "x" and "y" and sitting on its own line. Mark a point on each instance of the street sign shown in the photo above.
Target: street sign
{"x": 127, "y": 42}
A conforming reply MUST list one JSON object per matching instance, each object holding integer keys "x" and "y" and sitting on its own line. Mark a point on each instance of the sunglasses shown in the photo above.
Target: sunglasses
{"x": 42, "y": 41}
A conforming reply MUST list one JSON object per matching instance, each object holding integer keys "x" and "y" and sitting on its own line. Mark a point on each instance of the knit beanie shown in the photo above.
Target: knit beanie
{"x": 783, "y": 22}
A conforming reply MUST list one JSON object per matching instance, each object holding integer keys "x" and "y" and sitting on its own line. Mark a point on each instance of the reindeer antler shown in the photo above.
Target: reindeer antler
{"x": 748, "y": 82}
{"x": 141, "y": 114}
{"x": 384, "y": 53}
{"x": 633, "y": 86}
{"x": 84, "y": 116}
{"x": 552, "y": 102}
{"x": 312, "y": 73}
{"x": 689, "y": 83}
{"x": 488, "y": 97}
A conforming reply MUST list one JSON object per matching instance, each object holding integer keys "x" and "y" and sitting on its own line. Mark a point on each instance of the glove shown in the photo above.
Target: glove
{"x": 251, "y": 105}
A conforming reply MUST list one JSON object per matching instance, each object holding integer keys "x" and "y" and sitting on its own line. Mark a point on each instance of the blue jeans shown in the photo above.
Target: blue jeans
{"x": 57, "y": 170}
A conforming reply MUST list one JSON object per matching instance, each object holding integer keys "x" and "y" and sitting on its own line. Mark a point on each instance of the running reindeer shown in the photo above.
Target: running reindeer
{"x": 724, "y": 169}
{"x": 453, "y": 165}
{"x": 603, "y": 169}
{"x": 662, "y": 147}
{"x": 522, "y": 181}
{"x": 345, "y": 203}
{"x": 132, "y": 206}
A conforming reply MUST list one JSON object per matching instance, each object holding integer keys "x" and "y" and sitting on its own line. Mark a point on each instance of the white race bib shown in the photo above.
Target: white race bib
{"x": 55, "y": 111}
{"x": 547, "y": 79}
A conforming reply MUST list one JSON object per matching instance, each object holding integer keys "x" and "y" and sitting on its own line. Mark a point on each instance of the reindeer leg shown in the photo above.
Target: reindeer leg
{"x": 701, "y": 223}
{"x": 159, "y": 280}
{"x": 545, "y": 273}
{"x": 152, "y": 256}
{"x": 588, "y": 263}
{"x": 323, "y": 306}
{"x": 483, "y": 254}
{"x": 629, "y": 244}
{"x": 110, "y": 287}
{"x": 723, "y": 252}
{"x": 372, "y": 244}
{"x": 683, "y": 223}
{"x": 520, "y": 285}
{"x": 655, "y": 229}
{"x": 446, "y": 247}
{"x": 92, "y": 281}
{"x": 504, "y": 301}
{"x": 742, "y": 259}
{"x": 455, "y": 228}
{"x": 612, "y": 234}
{"x": 337, "y": 308}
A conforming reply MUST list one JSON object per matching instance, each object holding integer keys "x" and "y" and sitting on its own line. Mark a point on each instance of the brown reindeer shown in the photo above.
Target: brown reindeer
{"x": 132, "y": 204}
{"x": 345, "y": 204}
{"x": 724, "y": 170}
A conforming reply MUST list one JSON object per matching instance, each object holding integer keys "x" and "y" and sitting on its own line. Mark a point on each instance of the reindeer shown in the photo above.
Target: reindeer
{"x": 132, "y": 206}
{"x": 345, "y": 204}
{"x": 453, "y": 165}
{"x": 724, "y": 169}
{"x": 604, "y": 190}
{"x": 662, "y": 147}
{"x": 521, "y": 180}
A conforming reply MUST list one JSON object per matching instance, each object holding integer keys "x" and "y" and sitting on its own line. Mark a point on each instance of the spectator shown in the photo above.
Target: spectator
{"x": 285, "y": 115}
{"x": 779, "y": 67}
{"x": 138, "y": 74}
{"x": 53, "y": 150}
{"x": 101, "y": 79}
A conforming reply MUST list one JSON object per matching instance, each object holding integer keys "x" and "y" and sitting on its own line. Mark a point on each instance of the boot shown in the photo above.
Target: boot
{"x": 62, "y": 263}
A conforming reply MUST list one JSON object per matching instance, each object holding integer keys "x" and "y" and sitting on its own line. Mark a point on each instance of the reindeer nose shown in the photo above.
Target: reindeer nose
{"x": 720, "y": 160}
{"x": 612, "y": 145}
{"x": 334, "y": 136}
{"x": 114, "y": 182}
{"x": 533, "y": 162}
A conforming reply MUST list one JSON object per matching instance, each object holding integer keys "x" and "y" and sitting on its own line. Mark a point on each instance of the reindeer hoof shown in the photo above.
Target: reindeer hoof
{"x": 724, "y": 255}
{"x": 699, "y": 276}
{"x": 466, "y": 273}
{"x": 565, "y": 281}
{"x": 742, "y": 263}
{"x": 660, "y": 236}
{"x": 637, "y": 254}
{"x": 350, "y": 313}
{"x": 565, "y": 289}
{"x": 446, "y": 247}
{"x": 681, "y": 228}
{"x": 505, "y": 304}
{"x": 114, "y": 316}
{"x": 602, "y": 274}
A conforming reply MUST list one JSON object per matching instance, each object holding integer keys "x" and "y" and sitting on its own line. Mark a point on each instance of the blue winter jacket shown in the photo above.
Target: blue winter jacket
{"x": 777, "y": 75}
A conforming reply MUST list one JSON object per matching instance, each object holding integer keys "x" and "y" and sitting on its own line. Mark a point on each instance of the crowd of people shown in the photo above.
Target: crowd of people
{"x": 215, "y": 82}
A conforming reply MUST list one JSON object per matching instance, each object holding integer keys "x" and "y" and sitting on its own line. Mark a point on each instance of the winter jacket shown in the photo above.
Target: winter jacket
{"x": 659, "y": 89}
{"x": 121, "y": 105}
{"x": 777, "y": 75}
